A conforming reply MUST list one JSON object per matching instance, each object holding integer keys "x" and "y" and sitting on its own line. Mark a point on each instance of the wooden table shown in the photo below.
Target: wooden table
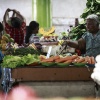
{"x": 38, "y": 73}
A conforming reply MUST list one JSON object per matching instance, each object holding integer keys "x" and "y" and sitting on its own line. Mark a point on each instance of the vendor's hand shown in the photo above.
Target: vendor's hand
{"x": 9, "y": 10}
{"x": 38, "y": 46}
{"x": 64, "y": 43}
{"x": 14, "y": 10}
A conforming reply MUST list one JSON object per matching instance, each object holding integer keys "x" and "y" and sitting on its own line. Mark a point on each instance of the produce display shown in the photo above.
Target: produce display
{"x": 47, "y": 32}
{"x": 18, "y": 56}
{"x": 13, "y": 61}
{"x": 10, "y": 61}
{"x": 48, "y": 36}
{"x": 4, "y": 42}
{"x": 22, "y": 51}
{"x": 67, "y": 60}
{"x": 49, "y": 39}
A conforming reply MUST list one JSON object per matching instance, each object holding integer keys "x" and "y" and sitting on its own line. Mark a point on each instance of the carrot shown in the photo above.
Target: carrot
{"x": 81, "y": 60}
{"x": 74, "y": 57}
{"x": 84, "y": 61}
{"x": 68, "y": 58}
{"x": 92, "y": 60}
{"x": 56, "y": 57}
{"x": 60, "y": 60}
{"x": 75, "y": 60}
{"x": 42, "y": 57}
{"x": 47, "y": 60}
{"x": 68, "y": 61}
{"x": 88, "y": 60}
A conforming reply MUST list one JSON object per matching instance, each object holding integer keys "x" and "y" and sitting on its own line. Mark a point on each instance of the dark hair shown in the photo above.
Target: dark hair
{"x": 33, "y": 25}
{"x": 1, "y": 27}
{"x": 16, "y": 22}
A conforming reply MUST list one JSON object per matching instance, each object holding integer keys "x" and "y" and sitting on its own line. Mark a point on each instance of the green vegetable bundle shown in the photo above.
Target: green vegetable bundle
{"x": 22, "y": 51}
{"x": 77, "y": 32}
{"x": 10, "y": 61}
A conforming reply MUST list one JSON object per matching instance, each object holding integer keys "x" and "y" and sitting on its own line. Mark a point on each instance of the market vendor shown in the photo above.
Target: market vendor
{"x": 90, "y": 41}
{"x": 15, "y": 25}
{"x": 31, "y": 34}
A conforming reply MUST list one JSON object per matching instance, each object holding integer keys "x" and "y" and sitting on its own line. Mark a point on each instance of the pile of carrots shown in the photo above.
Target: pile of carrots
{"x": 68, "y": 59}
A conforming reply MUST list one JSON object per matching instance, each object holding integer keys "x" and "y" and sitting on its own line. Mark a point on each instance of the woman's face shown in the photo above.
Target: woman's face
{"x": 91, "y": 26}
{"x": 36, "y": 30}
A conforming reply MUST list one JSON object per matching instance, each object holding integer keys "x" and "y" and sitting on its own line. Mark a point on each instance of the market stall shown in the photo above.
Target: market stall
{"x": 46, "y": 74}
{"x": 27, "y": 63}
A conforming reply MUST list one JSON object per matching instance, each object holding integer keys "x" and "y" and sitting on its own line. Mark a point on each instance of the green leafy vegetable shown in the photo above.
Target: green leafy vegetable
{"x": 10, "y": 61}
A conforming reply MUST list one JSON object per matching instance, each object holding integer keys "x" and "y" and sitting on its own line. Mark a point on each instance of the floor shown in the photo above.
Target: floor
{"x": 62, "y": 89}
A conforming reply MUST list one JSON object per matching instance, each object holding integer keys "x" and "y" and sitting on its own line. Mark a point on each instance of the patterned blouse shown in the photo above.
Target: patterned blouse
{"x": 92, "y": 44}
{"x": 16, "y": 34}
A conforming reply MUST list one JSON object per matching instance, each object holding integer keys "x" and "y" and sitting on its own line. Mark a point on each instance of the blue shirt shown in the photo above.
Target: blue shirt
{"x": 92, "y": 43}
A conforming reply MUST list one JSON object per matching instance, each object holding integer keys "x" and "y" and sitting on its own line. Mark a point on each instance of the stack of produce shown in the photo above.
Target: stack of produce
{"x": 48, "y": 36}
{"x": 10, "y": 61}
{"x": 67, "y": 60}
{"x": 16, "y": 56}
{"x": 47, "y": 32}
{"x": 21, "y": 51}
{"x": 4, "y": 43}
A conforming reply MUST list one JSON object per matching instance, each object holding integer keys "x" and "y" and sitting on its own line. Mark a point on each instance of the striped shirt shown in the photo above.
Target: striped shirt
{"x": 34, "y": 39}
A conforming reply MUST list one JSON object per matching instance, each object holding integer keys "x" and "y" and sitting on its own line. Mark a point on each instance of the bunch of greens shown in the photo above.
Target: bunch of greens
{"x": 29, "y": 59}
{"x": 77, "y": 31}
{"x": 92, "y": 7}
{"x": 10, "y": 61}
{"x": 64, "y": 35}
{"x": 22, "y": 51}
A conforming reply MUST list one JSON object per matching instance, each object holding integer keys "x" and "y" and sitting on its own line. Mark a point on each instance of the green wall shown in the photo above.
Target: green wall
{"x": 41, "y": 12}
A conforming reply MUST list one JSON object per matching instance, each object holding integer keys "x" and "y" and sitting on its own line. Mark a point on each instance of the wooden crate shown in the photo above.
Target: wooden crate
{"x": 52, "y": 74}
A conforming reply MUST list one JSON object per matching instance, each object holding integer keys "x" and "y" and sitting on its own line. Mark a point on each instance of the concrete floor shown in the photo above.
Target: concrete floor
{"x": 62, "y": 89}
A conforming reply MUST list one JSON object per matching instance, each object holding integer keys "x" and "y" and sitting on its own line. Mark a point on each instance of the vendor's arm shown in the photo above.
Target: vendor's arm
{"x": 80, "y": 44}
{"x": 17, "y": 13}
{"x": 6, "y": 15}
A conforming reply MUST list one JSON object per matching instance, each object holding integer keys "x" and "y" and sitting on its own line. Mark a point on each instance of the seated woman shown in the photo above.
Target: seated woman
{"x": 31, "y": 34}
